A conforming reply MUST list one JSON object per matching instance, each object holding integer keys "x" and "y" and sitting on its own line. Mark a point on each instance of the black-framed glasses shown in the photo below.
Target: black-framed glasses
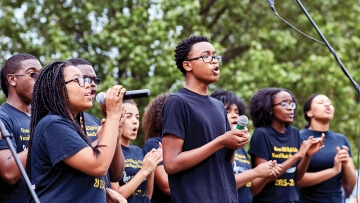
{"x": 80, "y": 80}
{"x": 96, "y": 80}
{"x": 286, "y": 105}
{"x": 33, "y": 75}
{"x": 207, "y": 58}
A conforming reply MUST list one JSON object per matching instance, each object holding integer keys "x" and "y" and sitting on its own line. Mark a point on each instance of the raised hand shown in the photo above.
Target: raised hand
{"x": 151, "y": 160}
{"x": 311, "y": 146}
{"x": 316, "y": 144}
{"x": 337, "y": 162}
{"x": 121, "y": 122}
{"x": 343, "y": 155}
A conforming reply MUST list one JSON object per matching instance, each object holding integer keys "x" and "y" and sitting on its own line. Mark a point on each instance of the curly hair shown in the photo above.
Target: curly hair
{"x": 11, "y": 66}
{"x": 307, "y": 107}
{"x": 50, "y": 95}
{"x": 152, "y": 120}
{"x": 183, "y": 49}
{"x": 261, "y": 104}
{"x": 228, "y": 98}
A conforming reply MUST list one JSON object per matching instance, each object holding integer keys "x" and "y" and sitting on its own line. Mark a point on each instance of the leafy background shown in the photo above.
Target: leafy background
{"x": 131, "y": 42}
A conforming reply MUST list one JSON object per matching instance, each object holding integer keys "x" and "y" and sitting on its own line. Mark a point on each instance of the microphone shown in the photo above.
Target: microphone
{"x": 132, "y": 94}
{"x": 271, "y": 2}
{"x": 242, "y": 122}
{"x": 272, "y": 5}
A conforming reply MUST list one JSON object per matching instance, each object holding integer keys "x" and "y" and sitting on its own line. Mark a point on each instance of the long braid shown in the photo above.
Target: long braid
{"x": 48, "y": 97}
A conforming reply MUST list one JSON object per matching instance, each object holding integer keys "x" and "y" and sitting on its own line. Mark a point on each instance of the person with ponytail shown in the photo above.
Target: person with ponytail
{"x": 63, "y": 166}
{"x": 332, "y": 168}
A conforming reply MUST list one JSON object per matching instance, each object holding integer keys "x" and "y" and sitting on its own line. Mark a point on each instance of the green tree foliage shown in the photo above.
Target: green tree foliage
{"x": 131, "y": 42}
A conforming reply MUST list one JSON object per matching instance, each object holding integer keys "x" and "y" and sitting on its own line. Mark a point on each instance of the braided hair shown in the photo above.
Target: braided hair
{"x": 152, "y": 119}
{"x": 261, "y": 104}
{"x": 48, "y": 97}
{"x": 183, "y": 49}
{"x": 11, "y": 66}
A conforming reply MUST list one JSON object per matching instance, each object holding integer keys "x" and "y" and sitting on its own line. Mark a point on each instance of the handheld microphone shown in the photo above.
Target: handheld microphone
{"x": 132, "y": 94}
{"x": 272, "y": 5}
{"x": 242, "y": 122}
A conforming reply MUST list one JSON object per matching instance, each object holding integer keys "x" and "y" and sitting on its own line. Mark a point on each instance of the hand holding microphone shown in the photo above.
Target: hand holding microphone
{"x": 114, "y": 97}
{"x": 101, "y": 97}
{"x": 241, "y": 124}
{"x": 133, "y": 94}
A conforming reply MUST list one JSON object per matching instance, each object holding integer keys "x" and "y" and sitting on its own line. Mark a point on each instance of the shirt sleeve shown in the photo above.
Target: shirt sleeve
{"x": 62, "y": 141}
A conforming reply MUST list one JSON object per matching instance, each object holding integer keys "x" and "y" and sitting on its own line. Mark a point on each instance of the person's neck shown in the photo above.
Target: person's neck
{"x": 319, "y": 126}
{"x": 19, "y": 104}
{"x": 279, "y": 127}
{"x": 197, "y": 87}
{"x": 125, "y": 142}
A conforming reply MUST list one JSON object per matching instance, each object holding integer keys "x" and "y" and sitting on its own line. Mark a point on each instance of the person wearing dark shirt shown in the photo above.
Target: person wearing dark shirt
{"x": 137, "y": 182}
{"x": 92, "y": 125}
{"x": 247, "y": 179}
{"x": 62, "y": 164}
{"x": 17, "y": 77}
{"x": 196, "y": 133}
{"x": 152, "y": 125}
{"x": 272, "y": 110}
{"x": 332, "y": 168}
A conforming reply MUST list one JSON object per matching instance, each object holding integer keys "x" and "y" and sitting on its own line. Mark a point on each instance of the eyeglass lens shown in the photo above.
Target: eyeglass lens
{"x": 286, "y": 105}
{"x": 34, "y": 75}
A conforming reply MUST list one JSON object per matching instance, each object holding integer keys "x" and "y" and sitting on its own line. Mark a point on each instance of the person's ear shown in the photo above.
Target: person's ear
{"x": 11, "y": 79}
{"x": 310, "y": 114}
{"x": 187, "y": 66}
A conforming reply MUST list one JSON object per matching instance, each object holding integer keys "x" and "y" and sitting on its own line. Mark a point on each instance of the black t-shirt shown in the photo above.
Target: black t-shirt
{"x": 56, "y": 139}
{"x": 17, "y": 123}
{"x": 198, "y": 120}
{"x": 92, "y": 123}
{"x": 133, "y": 162}
{"x": 269, "y": 144}
{"x": 242, "y": 164}
{"x": 328, "y": 190}
{"x": 158, "y": 196}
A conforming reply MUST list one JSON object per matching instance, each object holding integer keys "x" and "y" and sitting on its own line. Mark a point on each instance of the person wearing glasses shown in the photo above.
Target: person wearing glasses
{"x": 272, "y": 111}
{"x": 92, "y": 124}
{"x": 63, "y": 165}
{"x": 332, "y": 168}
{"x": 196, "y": 133}
{"x": 17, "y": 77}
